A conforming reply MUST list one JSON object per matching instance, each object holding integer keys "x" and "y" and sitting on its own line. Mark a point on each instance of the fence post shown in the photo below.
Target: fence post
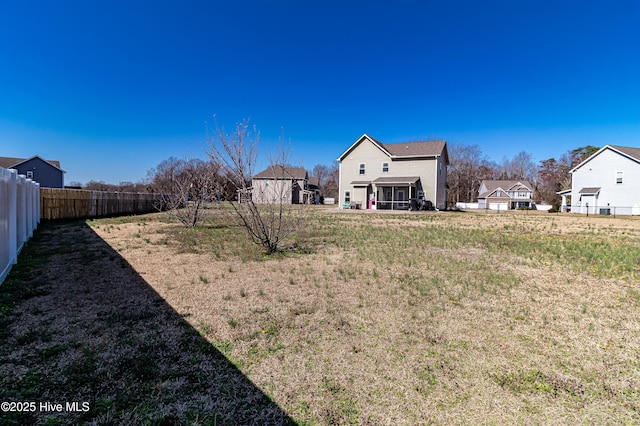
{"x": 13, "y": 217}
{"x": 8, "y": 228}
{"x": 21, "y": 202}
{"x": 28, "y": 219}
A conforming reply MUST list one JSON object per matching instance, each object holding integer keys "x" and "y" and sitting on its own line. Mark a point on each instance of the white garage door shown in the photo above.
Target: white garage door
{"x": 497, "y": 206}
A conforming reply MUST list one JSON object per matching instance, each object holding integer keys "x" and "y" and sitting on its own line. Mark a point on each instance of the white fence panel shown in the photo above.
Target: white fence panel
{"x": 19, "y": 216}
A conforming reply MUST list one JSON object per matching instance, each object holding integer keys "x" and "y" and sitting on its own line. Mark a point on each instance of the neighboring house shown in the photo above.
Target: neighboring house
{"x": 289, "y": 184}
{"x": 505, "y": 195}
{"x": 386, "y": 176}
{"x": 606, "y": 182}
{"x": 313, "y": 185}
{"x": 46, "y": 172}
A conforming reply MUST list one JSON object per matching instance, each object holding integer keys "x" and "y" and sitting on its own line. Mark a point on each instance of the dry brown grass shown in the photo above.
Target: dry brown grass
{"x": 343, "y": 336}
{"x": 428, "y": 318}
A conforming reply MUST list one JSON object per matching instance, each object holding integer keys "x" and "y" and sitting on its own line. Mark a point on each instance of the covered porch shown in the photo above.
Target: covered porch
{"x": 588, "y": 202}
{"x": 395, "y": 193}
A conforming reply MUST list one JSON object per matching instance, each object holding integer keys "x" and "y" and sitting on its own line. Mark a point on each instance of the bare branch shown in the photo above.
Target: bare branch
{"x": 272, "y": 206}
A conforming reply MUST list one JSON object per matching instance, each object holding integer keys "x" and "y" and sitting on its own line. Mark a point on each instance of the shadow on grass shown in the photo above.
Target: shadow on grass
{"x": 79, "y": 327}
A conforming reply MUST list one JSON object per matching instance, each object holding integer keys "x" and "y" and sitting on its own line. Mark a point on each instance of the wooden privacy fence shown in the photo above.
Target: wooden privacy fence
{"x": 79, "y": 203}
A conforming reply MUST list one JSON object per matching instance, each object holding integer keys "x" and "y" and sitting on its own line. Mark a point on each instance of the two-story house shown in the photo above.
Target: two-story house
{"x": 606, "y": 182}
{"x": 374, "y": 175}
{"x": 276, "y": 184}
{"x": 46, "y": 172}
{"x": 505, "y": 194}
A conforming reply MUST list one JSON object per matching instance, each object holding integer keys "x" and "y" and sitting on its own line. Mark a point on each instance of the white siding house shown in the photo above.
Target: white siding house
{"x": 608, "y": 182}
{"x": 387, "y": 176}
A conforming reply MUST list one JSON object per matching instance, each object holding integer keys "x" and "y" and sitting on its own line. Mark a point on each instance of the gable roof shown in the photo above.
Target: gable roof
{"x": 625, "y": 151}
{"x": 492, "y": 186}
{"x": 628, "y": 151}
{"x": 9, "y": 162}
{"x": 280, "y": 172}
{"x": 418, "y": 149}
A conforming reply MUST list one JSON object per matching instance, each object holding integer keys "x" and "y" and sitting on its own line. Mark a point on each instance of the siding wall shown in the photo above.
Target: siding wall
{"x": 44, "y": 173}
{"x": 600, "y": 172}
{"x": 269, "y": 191}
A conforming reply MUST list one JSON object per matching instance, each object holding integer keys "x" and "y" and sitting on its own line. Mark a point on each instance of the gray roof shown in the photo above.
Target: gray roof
{"x": 589, "y": 191}
{"x": 279, "y": 172}
{"x": 396, "y": 180}
{"x": 631, "y": 152}
{"x": 418, "y": 149}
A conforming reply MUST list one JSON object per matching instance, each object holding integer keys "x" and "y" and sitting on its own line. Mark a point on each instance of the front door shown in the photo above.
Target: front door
{"x": 401, "y": 197}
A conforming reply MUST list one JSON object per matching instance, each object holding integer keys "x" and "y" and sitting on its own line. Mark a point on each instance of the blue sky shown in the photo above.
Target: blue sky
{"x": 111, "y": 88}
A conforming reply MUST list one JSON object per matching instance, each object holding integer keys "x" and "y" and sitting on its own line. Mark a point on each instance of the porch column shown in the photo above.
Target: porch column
{"x": 392, "y": 196}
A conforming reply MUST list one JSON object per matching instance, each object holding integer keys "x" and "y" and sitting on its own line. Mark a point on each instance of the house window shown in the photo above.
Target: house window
{"x": 522, "y": 194}
{"x": 498, "y": 193}
{"x": 361, "y": 168}
{"x": 347, "y": 196}
{"x": 385, "y": 167}
{"x": 29, "y": 174}
{"x": 619, "y": 177}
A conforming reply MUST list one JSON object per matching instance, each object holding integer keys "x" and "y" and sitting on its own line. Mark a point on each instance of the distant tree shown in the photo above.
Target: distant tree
{"x": 554, "y": 176}
{"x": 161, "y": 177}
{"x": 321, "y": 172}
{"x": 127, "y": 187}
{"x": 100, "y": 186}
{"x": 520, "y": 167}
{"x": 468, "y": 167}
{"x": 331, "y": 187}
{"x": 327, "y": 178}
{"x": 272, "y": 220}
{"x": 551, "y": 175}
{"x": 578, "y": 155}
{"x": 185, "y": 186}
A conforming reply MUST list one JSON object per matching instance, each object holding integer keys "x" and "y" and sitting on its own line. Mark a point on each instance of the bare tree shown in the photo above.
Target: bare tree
{"x": 185, "y": 186}
{"x": 332, "y": 184}
{"x": 265, "y": 212}
{"x": 467, "y": 169}
{"x": 520, "y": 167}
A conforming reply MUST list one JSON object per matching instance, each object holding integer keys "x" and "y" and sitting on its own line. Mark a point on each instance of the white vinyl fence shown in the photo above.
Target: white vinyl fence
{"x": 19, "y": 216}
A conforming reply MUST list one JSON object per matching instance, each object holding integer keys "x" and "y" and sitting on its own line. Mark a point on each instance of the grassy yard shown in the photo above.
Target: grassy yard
{"x": 428, "y": 318}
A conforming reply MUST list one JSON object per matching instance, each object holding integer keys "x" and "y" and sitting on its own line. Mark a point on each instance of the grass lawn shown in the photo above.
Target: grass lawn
{"x": 414, "y": 318}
